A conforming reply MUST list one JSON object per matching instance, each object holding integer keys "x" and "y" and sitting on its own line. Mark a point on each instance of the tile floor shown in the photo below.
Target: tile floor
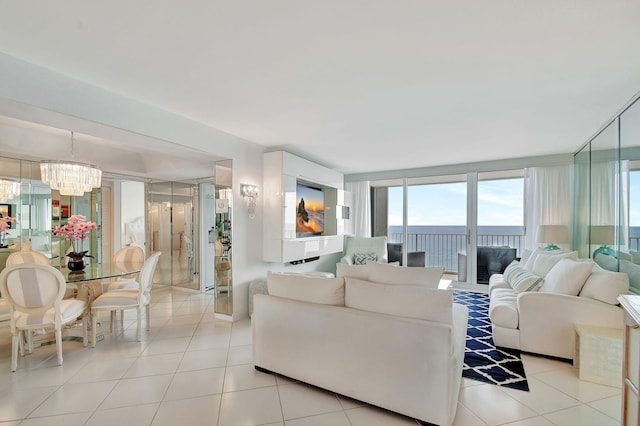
{"x": 191, "y": 369}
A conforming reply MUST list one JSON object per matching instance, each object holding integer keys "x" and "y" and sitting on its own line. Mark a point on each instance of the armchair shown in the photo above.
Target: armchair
{"x": 362, "y": 245}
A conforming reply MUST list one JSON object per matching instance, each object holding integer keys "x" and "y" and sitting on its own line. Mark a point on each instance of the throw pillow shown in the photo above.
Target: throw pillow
{"x": 521, "y": 279}
{"x": 354, "y": 271}
{"x": 532, "y": 258}
{"x": 526, "y": 253}
{"x": 386, "y": 274}
{"x": 567, "y": 277}
{"x": 361, "y": 258}
{"x": 409, "y": 301}
{"x": 605, "y": 286}
{"x": 511, "y": 269}
{"x": 326, "y": 291}
{"x": 545, "y": 261}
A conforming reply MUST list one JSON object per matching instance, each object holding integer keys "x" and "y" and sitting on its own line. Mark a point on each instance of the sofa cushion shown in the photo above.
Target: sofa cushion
{"x": 545, "y": 261}
{"x": 362, "y": 258}
{"x": 521, "y": 279}
{"x": 385, "y": 274}
{"x": 567, "y": 277}
{"x": 503, "y": 308}
{"x": 525, "y": 256}
{"x": 355, "y": 271}
{"x": 409, "y": 301}
{"x": 605, "y": 286}
{"x": 532, "y": 258}
{"x": 326, "y": 291}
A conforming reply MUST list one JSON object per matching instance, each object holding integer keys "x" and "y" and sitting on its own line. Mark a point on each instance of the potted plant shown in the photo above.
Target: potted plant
{"x": 76, "y": 230}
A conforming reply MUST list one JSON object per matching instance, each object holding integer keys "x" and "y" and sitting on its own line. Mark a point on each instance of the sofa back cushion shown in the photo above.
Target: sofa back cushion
{"x": 544, "y": 262}
{"x": 605, "y": 286}
{"x": 403, "y": 275}
{"x": 307, "y": 288}
{"x": 354, "y": 271}
{"x": 567, "y": 277}
{"x": 409, "y": 301}
{"x": 520, "y": 278}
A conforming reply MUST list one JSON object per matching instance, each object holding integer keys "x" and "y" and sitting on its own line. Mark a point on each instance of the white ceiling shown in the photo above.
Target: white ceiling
{"x": 356, "y": 85}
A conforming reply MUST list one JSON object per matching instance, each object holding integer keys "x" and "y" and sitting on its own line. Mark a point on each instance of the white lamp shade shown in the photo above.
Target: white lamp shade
{"x": 553, "y": 234}
{"x": 602, "y": 234}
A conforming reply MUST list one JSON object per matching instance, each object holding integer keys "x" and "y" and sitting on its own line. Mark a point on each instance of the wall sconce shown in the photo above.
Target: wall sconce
{"x": 250, "y": 192}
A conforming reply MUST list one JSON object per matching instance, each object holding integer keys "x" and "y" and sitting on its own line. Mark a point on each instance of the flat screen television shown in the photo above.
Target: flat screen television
{"x": 309, "y": 211}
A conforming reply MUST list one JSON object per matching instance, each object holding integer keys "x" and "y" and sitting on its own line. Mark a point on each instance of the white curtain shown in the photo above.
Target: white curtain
{"x": 360, "y": 216}
{"x": 549, "y": 199}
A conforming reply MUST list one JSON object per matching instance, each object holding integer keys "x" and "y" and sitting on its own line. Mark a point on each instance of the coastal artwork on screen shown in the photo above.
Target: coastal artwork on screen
{"x": 309, "y": 211}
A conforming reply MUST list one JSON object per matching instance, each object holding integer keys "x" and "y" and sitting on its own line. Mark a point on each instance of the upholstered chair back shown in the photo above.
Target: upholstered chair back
{"x": 364, "y": 245}
{"x": 33, "y": 289}
{"x": 27, "y": 256}
{"x": 128, "y": 257}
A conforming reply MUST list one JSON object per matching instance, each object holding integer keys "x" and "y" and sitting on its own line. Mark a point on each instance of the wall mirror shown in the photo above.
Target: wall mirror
{"x": 223, "y": 240}
{"x": 607, "y": 198}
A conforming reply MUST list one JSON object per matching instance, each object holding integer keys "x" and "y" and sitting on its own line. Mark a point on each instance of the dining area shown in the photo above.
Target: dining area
{"x": 44, "y": 303}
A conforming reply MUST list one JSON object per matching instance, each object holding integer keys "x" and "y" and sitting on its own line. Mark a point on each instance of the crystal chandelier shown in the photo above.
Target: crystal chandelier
{"x": 70, "y": 178}
{"x": 8, "y": 190}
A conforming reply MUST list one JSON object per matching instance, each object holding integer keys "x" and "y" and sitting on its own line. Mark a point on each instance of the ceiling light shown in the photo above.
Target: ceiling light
{"x": 8, "y": 190}
{"x": 69, "y": 177}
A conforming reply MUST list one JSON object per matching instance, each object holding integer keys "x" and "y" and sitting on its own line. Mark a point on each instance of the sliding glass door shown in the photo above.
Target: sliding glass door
{"x": 471, "y": 224}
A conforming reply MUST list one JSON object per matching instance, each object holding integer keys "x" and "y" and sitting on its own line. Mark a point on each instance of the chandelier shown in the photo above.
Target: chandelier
{"x": 8, "y": 190}
{"x": 69, "y": 177}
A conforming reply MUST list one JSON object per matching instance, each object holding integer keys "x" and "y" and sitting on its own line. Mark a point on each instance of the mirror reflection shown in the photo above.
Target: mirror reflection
{"x": 223, "y": 288}
{"x": 607, "y": 201}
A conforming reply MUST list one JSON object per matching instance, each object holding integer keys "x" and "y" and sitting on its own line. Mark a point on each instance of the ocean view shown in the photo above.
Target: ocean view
{"x": 443, "y": 243}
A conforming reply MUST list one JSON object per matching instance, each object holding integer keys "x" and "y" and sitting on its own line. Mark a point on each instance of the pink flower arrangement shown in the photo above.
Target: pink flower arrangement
{"x": 76, "y": 229}
{"x": 5, "y": 224}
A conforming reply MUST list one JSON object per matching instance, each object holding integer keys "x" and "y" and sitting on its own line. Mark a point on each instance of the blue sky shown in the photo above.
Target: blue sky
{"x": 500, "y": 202}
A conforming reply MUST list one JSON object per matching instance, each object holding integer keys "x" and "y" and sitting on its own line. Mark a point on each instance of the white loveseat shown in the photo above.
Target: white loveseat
{"x": 559, "y": 292}
{"x": 396, "y": 346}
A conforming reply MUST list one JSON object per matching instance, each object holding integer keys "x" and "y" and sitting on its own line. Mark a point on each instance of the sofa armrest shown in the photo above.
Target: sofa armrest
{"x": 547, "y": 321}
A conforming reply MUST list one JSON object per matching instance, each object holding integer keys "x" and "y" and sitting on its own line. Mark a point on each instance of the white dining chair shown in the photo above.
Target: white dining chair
{"x": 127, "y": 258}
{"x": 27, "y": 257}
{"x": 138, "y": 299}
{"x": 34, "y": 294}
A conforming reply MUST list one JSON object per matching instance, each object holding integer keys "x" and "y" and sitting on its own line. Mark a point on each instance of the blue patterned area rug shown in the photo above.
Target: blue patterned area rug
{"x": 482, "y": 360}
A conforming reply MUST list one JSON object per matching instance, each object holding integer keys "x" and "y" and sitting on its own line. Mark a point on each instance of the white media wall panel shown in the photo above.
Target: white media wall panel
{"x": 282, "y": 172}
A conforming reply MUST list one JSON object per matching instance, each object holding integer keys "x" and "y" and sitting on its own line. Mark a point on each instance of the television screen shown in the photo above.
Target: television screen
{"x": 309, "y": 211}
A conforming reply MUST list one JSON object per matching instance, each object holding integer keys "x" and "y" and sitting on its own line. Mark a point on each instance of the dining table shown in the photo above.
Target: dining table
{"x": 87, "y": 285}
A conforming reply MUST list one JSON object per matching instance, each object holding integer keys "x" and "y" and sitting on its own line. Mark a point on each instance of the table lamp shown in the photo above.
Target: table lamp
{"x": 552, "y": 234}
{"x": 604, "y": 235}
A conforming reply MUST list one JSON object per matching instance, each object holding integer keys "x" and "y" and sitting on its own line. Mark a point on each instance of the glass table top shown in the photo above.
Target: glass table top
{"x": 99, "y": 271}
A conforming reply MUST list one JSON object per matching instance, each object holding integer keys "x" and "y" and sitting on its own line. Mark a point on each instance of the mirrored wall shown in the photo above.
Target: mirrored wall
{"x": 171, "y": 215}
{"x": 223, "y": 262}
{"x": 607, "y": 198}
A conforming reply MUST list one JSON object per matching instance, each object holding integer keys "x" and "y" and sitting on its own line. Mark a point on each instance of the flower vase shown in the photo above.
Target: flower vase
{"x": 76, "y": 261}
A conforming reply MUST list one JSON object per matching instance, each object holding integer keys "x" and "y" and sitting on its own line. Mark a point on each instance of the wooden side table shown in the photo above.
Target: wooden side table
{"x": 631, "y": 362}
{"x": 598, "y": 354}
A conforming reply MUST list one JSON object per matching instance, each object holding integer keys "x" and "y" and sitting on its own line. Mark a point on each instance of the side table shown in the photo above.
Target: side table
{"x": 631, "y": 365}
{"x": 598, "y": 354}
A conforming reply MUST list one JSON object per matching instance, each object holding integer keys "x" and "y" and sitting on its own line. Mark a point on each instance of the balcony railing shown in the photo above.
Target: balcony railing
{"x": 443, "y": 249}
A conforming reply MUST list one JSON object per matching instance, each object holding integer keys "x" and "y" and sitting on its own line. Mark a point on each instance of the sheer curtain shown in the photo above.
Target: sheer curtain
{"x": 360, "y": 207}
{"x": 549, "y": 199}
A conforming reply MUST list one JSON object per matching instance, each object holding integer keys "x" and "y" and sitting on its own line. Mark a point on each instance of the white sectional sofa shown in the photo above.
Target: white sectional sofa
{"x": 536, "y": 303}
{"x": 399, "y": 345}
